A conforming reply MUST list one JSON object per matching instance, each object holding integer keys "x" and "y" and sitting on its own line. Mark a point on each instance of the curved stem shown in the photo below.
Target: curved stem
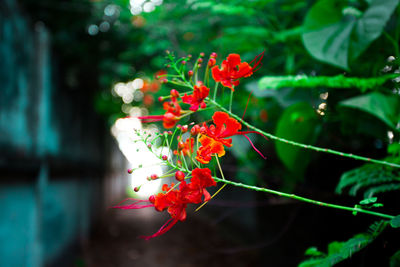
{"x": 319, "y": 149}
{"x": 293, "y": 196}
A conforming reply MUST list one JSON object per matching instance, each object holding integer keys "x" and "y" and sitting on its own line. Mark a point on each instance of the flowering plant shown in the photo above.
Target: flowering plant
{"x": 198, "y": 144}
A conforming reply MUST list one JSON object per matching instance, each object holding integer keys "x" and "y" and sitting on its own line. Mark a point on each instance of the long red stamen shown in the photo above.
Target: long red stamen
{"x": 254, "y": 132}
{"x": 257, "y": 61}
{"x": 259, "y": 57}
{"x": 135, "y": 205}
{"x": 245, "y": 109}
{"x": 258, "y": 151}
{"x": 152, "y": 117}
{"x": 165, "y": 228}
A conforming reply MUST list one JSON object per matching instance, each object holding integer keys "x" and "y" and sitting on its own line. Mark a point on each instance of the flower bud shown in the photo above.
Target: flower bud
{"x": 154, "y": 177}
{"x": 213, "y": 55}
{"x": 183, "y": 62}
{"x": 190, "y": 73}
{"x": 130, "y": 171}
{"x": 203, "y": 130}
{"x": 136, "y": 189}
{"x": 181, "y": 145}
{"x": 152, "y": 199}
{"x": 184, "y": 128}
{"x": 200, "y": 60}
{"x": 195, "y": 130}
{"x": 211, "y": 62}
{"x": 164, "y": 157}
{"x": 202, "y": 54}
{"x": 174, "y": 93}
{"x": 160, "y": 99}
{"x": 180, "y": 176}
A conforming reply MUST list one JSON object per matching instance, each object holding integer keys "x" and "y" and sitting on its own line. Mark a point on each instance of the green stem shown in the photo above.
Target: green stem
{"x": 315, "y": 202}
{"x": 319, "y": 149}
{"x": 184, "y": 161}
{"x": 219, "y": 166}
{"x": 230, "y": 101}
{"x": 282, "y": 194}
{"x": 215, "y": 90}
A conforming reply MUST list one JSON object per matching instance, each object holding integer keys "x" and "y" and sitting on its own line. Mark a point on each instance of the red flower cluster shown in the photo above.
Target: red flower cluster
{"x": 213, "y": 138}
{"x": 173, "y": 110}
{"x": 175, "y": 201}
{"x": 232, "y": 69}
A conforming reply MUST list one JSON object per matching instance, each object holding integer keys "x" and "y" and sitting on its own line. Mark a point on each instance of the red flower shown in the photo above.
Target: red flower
{"x": 214, "y": 137}
{"x": 197, "y": 99}
{"x": 175, "y": 200}
{"x": 208, "y": 148}
{"x": 201, "y": 178}
{"x": 232, "y": 69}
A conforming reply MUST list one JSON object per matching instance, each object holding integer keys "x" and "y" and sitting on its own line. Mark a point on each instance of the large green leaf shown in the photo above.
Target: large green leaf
{"x": 384, "y": 107}
{"x": 298, "y": 123}
{"x": 336, "y": 33}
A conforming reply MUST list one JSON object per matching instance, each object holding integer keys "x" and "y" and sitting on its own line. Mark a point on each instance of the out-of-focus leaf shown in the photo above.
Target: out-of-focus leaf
{"x": 368, "y": 200}
{"x": 384, "y": 107}
{"x": 298, "y": 123}
{"x": 395, "y": 259}
{"x": 336, "y": 33}
{"x": 395, "y": 223}
{"x": 313, "y": 251}
{"x": 339, "y": 81}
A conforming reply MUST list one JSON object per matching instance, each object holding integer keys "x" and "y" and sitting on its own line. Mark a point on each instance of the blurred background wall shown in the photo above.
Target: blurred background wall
{"x": 53, "y": 150}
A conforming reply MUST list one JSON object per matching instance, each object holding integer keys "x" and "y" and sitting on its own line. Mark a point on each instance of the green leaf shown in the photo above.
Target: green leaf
{"x": 297, "y": 123}
{"x": 377, "y": 205}
{"x": 394, "y": 149}
{"x": 313, "y": 251}
{"x": 395, "y": 259}
{"x": 368, "y": 201}
{"x": 339, "y": 251}
{"x": 339, "y": 81}
{"x": 336, "y": 33}
{"x": 384, "y": 107}
{"x": 395, "y": 222}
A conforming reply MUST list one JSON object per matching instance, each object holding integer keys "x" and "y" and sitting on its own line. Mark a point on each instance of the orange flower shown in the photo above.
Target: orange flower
{"x": 232, "y": 69}
{"x": 215, "y": 137}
